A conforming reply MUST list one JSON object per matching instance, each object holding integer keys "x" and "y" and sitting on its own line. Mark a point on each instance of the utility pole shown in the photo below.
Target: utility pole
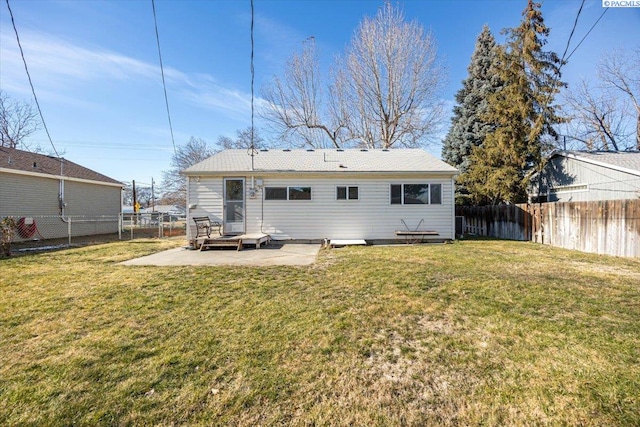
{"x": 135, "y": 201}
{"x": 153, "y": 197}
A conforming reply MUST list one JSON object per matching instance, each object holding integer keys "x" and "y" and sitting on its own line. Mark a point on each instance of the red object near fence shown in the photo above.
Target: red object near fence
{"x": 27, "y": 227}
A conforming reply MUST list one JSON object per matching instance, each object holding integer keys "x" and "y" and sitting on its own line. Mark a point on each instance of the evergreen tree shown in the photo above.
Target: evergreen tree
{"x": 522, "y": 111}
{"x": 468, "y": 124}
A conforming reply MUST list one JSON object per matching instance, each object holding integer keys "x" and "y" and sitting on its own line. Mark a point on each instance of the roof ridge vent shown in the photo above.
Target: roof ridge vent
{"x": 340, "y": 149}
{"x": 363, "y": 149}
{"x": 385, "y": 149}
{"x": 287, "y": 149}
{"x": 310, "y": 149}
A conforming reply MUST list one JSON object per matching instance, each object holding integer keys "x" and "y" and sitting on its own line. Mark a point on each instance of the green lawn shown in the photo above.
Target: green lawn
{"x": 472, "y": 333}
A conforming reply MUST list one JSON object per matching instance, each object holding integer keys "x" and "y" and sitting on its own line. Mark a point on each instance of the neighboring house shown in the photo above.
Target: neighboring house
{"x": 51, "y": 190}
{"x": 173, "y": 210}
{"x": 329, "y": 193}
{"x": 573, "y": 176}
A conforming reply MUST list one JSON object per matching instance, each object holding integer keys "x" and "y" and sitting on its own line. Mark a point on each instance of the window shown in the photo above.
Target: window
{"x": 275, "y": 193}
{"x": 299, "y": 193}
{"x": 568, "y": 188}
{"x": 287, "y": 193}
{"x": 347, "y": 193}
{"x": 396, "y": 194}
{"x": 416, "y": 194}
{"x": 436, "y": 194}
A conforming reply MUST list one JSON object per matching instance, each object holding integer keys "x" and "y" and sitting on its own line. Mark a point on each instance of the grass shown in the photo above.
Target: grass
{"x": 472, "y": 333}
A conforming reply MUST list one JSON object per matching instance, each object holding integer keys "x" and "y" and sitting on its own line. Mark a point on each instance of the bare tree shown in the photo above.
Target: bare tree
{"x": 389, "y": 82}
{"x": 295, "y": 102}
{"x": 243, "y": 140}
{"x": 622, "y": 73}
{"x": 598, "y": 120}
{"x": 18, "y": 120}
{"x": 383, "y": 92}
{"x": 174, "y": 184}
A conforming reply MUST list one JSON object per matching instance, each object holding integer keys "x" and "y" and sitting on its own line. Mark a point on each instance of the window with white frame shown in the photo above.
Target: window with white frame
{"x": 416, "y": 194}
{"x": 287, "y": 193}
{"x": 344, "y": 192}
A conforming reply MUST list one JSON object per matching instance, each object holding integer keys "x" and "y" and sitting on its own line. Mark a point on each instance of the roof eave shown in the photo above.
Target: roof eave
{"x": 297, "y": 172}
{"x": 574, "y": 156}
{"x": 66, "y": 178}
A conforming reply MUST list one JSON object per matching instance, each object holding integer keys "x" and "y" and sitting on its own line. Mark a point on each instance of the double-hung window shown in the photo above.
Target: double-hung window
{"x": 347, "y": 193}
{"x": 416, "y": 194}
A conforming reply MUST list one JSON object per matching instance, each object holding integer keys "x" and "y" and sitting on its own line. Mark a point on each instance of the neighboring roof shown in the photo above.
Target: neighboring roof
{"x": 325, "y": 160}
{"x": 624, "y": 161}
{"x": 33, "y": 163}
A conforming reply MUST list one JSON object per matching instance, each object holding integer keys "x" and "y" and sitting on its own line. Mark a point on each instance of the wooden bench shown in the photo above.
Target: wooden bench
{"x": 415, "y": 236}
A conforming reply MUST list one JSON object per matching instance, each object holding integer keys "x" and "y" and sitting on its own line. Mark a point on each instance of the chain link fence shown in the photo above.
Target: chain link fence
{"x": 42, "y": 232}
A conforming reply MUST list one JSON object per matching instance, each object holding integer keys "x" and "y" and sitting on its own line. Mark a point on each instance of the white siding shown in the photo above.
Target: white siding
{"x": 370, "y": 217}
{"x": 207, "y": 196}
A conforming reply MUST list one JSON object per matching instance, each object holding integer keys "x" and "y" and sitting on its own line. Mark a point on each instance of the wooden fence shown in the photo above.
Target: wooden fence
{"x": 610, "y": 227}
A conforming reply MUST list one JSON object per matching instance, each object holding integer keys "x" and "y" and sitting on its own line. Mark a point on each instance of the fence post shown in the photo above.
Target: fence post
{"x": 120, "y": 226}
{"x": 132, "y": 226}
{"x": 69, "y": 230}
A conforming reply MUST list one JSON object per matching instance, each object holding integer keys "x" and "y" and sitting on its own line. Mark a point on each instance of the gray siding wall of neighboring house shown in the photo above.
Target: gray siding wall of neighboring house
{"x": 88, "y": 199}
{"x": 572, "y": 180}
{"x": 22, "y": 195}
{"x": 93, "y": 208}
{"x": 371, "y": 216}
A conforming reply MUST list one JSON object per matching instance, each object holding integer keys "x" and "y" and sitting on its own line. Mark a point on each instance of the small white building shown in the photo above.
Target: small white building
{"x": 324, "y": 194}
{"x": 578, "y": 176}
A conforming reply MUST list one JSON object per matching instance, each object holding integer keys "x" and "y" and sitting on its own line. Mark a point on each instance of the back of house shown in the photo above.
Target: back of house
{"x": 310, "y": 195}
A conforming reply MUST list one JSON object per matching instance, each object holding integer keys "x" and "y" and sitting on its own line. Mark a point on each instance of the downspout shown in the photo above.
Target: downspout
{"x": 61, "y": 201}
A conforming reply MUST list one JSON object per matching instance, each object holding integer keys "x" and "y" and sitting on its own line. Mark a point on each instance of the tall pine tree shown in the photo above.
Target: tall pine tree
{"x": 523, "y": 112}
{"x": 469, "y": 126}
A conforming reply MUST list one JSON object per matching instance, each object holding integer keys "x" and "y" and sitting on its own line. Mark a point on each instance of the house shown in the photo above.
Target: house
{"x": 572, "y": 176}
{"x": 310, "y": 195}
{"x": 167, "y": 210}
{"x": 51, "y": 190}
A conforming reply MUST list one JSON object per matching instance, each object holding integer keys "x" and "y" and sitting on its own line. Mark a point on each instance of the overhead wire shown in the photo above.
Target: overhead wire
{"x": 588, "y": 32}
{"x": 253, "y": 147}
{"x": 33, "y": 91}
{"x": 164, "y": 85}
{"x": 575, "y": 24}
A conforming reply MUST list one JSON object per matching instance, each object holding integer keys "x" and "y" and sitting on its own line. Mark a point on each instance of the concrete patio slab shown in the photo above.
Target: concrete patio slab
{"x": 272, "y": 254}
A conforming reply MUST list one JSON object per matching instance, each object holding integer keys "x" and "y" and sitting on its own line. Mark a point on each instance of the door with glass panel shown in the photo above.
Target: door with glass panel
{"x": 233, "y": 221}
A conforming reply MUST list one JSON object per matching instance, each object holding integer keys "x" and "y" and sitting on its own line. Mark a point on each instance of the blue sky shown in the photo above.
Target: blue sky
{"x": 95, "y": 68}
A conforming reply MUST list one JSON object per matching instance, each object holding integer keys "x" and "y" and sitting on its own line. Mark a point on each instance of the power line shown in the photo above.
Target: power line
{"x": 588, "y": 32}
{"x": 164, "y": 86}
{"x": 33, "y": 91}
{"x": 575, "y": 24}
{"x": 253, "y": 147}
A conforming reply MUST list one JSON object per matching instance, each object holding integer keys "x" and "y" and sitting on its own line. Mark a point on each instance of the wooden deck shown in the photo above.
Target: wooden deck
{"x": 257, "y": 239}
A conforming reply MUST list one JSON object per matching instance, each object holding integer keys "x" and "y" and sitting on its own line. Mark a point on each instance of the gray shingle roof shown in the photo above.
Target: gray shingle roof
{"x": 11, "y": 158}
{"x": 626, "y": 161}
{"x": 326, "y": 160}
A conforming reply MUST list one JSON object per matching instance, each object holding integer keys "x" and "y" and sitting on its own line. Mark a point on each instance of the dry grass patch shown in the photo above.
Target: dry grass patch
{"x": 477, "y": 332}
